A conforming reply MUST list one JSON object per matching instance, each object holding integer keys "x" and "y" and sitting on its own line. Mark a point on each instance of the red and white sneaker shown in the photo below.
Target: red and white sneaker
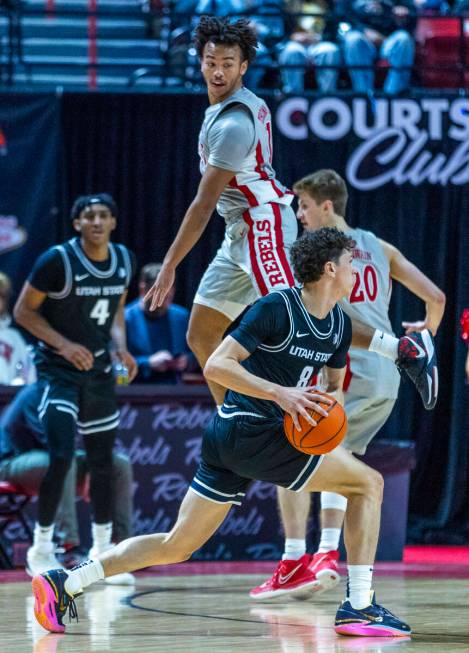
{"x": 292, "y": 577}
{"x": 326, "y": 569}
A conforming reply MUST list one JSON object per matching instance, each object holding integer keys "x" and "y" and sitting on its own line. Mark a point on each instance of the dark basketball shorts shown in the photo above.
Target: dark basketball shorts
{"x": 239, "y": 449}
{"x": 89, "y": 397}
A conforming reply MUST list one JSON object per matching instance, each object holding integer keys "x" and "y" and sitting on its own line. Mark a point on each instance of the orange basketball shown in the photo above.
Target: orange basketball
{"x": 322, "y": 438}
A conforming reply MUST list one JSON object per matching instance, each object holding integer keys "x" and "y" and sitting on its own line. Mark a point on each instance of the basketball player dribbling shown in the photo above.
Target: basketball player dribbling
{"x": 266, "y": 362}
{"x": 235, "y": 148}
{"x": 371, "y": 385}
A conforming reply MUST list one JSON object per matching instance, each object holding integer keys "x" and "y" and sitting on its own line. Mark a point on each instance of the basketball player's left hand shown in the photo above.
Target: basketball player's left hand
{"x": 163, "y": 284}
{"x": 302, "y": 401}
{"x": 129, "y": 361}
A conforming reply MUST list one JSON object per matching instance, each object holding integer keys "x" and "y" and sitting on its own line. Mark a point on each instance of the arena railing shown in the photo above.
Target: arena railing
{"x": 175, "y": 28}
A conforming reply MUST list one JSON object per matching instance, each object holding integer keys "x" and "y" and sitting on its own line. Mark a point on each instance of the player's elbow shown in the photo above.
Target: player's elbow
{"x": 20, "y": 313}
{"x": 439, "y": 298}
{"x": 211, "y": 369}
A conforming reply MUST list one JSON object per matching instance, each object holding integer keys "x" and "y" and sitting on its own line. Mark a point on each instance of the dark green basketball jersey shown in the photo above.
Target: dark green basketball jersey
{"x": 288, "y": 346}
{"x": 82, "y": 296}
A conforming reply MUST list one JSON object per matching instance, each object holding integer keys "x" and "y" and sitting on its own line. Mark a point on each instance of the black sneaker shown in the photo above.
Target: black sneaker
{"x": 417, "y": 356}
{"x": 52, "y": 600}
{"x": 372, "y": 621}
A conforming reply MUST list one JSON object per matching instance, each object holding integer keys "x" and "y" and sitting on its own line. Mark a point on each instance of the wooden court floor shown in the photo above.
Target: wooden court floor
{"x": 211, "y": 612}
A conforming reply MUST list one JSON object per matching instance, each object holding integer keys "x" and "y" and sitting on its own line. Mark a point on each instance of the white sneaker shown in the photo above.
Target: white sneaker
{"x": 41, "y": 558}
{"x": 118, "y": 579}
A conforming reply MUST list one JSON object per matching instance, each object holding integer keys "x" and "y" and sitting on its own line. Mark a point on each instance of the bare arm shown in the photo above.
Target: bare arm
{"x": 334, "y": 378}
{"x": 26, "y": 313}
{"x": 362, "y": 334}
{"x": 118, "y": 334}
{"x": 224, "y": 367}
{"x": 418, "y": 283}
{"x": 192, "y": 227}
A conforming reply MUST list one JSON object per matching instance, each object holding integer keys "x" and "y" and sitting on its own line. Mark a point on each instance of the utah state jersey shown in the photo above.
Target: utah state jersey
{"x": 82, "y": 296}
{"x": 288, "y": 346}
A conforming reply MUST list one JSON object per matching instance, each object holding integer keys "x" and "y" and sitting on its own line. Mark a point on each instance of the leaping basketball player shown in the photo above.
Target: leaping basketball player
{"x": 371, "y": 386}
{"x": 235, "y": 148}
{"x": 266, "y": 363}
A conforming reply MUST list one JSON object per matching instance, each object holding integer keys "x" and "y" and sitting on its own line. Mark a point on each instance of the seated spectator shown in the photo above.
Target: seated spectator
{"x": 437, "y": 7}
{"x": 24, "y": 460}
{"x": 311, "y": 43}
{"x": 464, "y": 321}
{"x": 157, "y": 339}
{"x": 16, "y": 367}
{"x": 379, "y": 28}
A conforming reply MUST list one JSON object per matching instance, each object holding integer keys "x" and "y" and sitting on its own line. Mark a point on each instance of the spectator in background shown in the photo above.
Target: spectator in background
{"x": 16, "y": 367}
{"x": 24, "y": 460}
{"x": 311, "y": 44}
{"x": 379, "y": 28}
{"x": 157, "y": 338}
{"x": 464, "y": 321}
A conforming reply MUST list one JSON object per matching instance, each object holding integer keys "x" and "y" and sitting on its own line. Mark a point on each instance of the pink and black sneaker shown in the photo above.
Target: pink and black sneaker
{"x": 52, "y": 600}
{"x": 372, "y": 621}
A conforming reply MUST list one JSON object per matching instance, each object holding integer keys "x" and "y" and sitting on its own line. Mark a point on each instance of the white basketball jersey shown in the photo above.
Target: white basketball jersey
{"x": 255, "y": 184}
{"x": 372, "y": 374}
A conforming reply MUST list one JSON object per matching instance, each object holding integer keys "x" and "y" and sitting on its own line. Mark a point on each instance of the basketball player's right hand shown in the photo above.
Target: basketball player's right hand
{"x": 77, "y": 355}
{"x": 163, "y": 284}
{"x": 302, "y": 401}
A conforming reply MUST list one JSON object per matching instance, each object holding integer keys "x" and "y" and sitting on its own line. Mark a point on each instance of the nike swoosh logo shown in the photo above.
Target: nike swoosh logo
{"x": 80, "y": 277}
{"x": 301, "y": 335}
{"x": 284, "y": 579}
{"x": 319, "y": 561}
{"x": 421, "y": 352}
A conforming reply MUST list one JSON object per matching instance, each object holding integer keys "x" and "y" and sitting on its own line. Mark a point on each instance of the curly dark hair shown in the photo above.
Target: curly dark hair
{"x": 212, "y": 29}
{"x": 314, "y": 249}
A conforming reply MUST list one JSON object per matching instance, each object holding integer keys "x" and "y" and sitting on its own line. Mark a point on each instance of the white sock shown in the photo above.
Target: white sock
{"x": 384, "y": 345}
{"x": 43, "y": 535}
{"x": 294, "y": 548}
{"x": 102, "y": 534}
{"x": 83, "y": 575}
{"x": 329, "y": 540}
{"x": 359, "y": 585}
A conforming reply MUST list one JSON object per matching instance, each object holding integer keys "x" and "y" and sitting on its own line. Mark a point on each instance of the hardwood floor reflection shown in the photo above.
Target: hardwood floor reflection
{"x": 212, "y": 613}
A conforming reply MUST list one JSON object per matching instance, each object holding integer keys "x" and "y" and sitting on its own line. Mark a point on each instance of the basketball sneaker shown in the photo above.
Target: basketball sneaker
{"x": 118, "y": 579}
{"x": 417, "y": 357}
{"x": 40, "y": 558}
{"x": 292, "y": 577}
{"x": 52, "y": 600}
{"x": 326, "y": 569}
{"x": 372, "y": 621}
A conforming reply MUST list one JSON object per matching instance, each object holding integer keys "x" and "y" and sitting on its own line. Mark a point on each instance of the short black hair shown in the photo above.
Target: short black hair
{"x": 220, "y": 31}
{"x": 310, "y": 253}
{"x": 96, "y": 198}
{"x": 149, "y": 272}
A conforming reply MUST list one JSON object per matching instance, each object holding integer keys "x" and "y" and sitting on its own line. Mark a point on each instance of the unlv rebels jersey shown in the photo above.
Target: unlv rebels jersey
{"x": 372, "y": 375}
{"x": 288, "y": 346}
{"x": 84, "y": 307}
{"x": 254, "y": 183}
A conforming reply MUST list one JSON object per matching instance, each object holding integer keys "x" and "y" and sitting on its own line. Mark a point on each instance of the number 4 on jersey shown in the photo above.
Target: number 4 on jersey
{"x": 100, "y": 311}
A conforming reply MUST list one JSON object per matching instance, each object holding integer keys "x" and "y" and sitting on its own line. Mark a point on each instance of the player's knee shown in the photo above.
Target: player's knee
{"x": 374, "y": 485}
{"x": 179, "y": 548}
{"x": 201, "y": 343}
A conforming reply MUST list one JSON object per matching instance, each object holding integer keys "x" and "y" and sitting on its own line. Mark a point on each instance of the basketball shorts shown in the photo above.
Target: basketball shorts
{"x": 239, "y": 449}
{"x": 252, "y": 261}
{"x": 89, "y": 397}
{"x": 365, "y": 415}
